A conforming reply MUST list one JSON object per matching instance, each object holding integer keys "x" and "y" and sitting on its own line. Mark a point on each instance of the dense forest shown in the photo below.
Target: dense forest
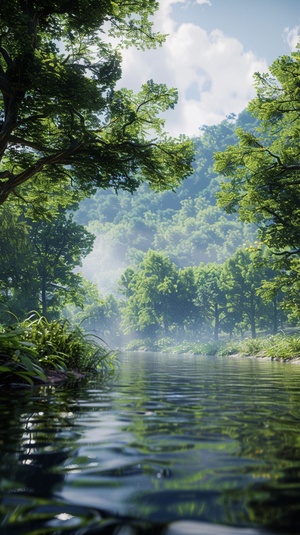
{"x": 159, "y": 266}
{"x": 176, "y": 266}
{"x": 186, "y": 224}
{"x": 175, "y": 236}
{"x": 183, "y": 239}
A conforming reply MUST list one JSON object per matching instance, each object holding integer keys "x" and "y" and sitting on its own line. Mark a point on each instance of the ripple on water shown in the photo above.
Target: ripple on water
{"x": 172, "y": 445}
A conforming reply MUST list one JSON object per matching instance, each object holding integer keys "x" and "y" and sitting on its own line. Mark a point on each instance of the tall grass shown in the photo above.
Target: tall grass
{"x": 276, "y": 347}
{"x": 282, "y": 347}
{"x": 28, "y": 350}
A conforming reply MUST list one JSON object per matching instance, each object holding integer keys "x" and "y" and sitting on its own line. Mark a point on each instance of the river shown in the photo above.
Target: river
{"x": 169, "y": 445}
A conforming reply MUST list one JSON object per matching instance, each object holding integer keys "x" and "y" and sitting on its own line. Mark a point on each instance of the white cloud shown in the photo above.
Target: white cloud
{"x": 212, "y": 72}
{"x": 292, "y": 36}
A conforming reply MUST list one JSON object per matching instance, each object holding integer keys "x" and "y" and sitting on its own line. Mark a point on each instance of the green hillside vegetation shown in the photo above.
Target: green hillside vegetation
{"x": 214, "y": 259}
{"x": 190, "y": 271}
{"x": 186, "y": 224}
{"x": 174, "y": 266}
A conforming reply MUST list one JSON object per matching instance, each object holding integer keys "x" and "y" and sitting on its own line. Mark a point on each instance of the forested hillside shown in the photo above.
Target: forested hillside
{"x": 186, "y": 224}
{"x": 217, "y": 256}
{"x": 178, "y": 238}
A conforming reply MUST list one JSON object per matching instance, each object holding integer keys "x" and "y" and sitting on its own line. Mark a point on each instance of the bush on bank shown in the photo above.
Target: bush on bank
{"x": 31, "y": 349}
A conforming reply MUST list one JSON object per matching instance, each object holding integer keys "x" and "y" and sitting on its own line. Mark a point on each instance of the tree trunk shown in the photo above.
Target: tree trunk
{"x": 216, "y": 327}
{"x": 44, "y": 297}
{"x": 252, "y": 315}
{"x": 275, "y": 316}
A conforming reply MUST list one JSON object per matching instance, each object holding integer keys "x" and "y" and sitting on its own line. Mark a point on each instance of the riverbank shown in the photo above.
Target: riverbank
{"x": 279, "y": 347}
{"x": 38, "y": 351}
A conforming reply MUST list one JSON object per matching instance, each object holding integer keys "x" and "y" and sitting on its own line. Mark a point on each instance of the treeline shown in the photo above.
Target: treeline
{"x": 160, "y": 300}
{"x": 219, "y": 256}
{"x": 173, "y": 263}
{"x": 42, "y": 250}
{"x": 248, "y": 166}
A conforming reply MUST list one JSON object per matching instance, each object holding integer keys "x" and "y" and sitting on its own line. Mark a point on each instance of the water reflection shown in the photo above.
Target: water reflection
{"x": 211, "y": 442}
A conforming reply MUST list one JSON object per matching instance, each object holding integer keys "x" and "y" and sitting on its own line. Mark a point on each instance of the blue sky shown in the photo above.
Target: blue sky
{"x": 211, "y": 52}
{"x": 258, "y": 24}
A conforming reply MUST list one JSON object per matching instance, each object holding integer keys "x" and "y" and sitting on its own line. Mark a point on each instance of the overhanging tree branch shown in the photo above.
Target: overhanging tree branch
{"x": 62, "y": 157}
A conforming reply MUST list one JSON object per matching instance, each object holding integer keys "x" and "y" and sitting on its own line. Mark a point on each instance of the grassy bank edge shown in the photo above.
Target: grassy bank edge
{"x": 279, "y": 347}
{"x": 38, "y": 351}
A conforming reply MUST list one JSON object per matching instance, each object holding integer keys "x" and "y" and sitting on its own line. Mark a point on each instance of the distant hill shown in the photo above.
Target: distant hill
{"x": 187, "y": 224}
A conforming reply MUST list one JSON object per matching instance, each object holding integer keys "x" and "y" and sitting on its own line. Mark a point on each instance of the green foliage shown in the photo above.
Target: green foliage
{"x": 262, "y": 171}
{"x": 158, "y": 235}
{"x": 63, "y": 122}
{"x": 185, "y": 225}
{"x": 159, "y": 297}
{"x": 242, "y": 276}
{"x": 278, "y": 347}
{"x": 282, "y": 347}
{"x": 208, "y": 348}
{"x": 38, "y": 261}
{"x": 143, "y": 344}
{"x": 210, "y": 296}
{"x": 161, "y": 300}
{"x": 286, "y": 284}
{"x": 232, "y": 347}
{"x": 18, "y": 357}
{"x": 28, "y": 350}
{"x": 251, "y": 346}
{"x": 61, "y": 344}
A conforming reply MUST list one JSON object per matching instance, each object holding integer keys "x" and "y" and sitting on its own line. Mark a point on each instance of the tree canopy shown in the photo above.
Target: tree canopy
{"x": 263, "y": 170}
{"x": 199, "y": 302}
{"x": 62, "y": 119}
{"x": 38, "y": 259}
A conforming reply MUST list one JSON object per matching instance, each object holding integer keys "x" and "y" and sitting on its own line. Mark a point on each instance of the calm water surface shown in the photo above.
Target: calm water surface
{"x": 171, "y": 445}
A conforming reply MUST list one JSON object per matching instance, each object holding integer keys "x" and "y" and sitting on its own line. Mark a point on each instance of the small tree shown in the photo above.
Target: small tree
{"x": 241, "y": 278}
{"x": 151, "y": 290}
{"x": 58, "y": 247}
